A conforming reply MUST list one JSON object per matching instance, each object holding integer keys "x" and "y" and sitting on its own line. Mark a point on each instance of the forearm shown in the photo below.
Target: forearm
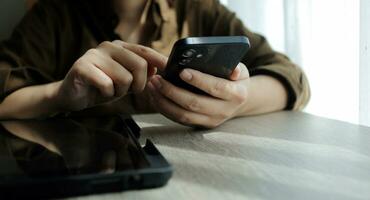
{"x": 266, "y": 94}
{"x": 30, "y": 102}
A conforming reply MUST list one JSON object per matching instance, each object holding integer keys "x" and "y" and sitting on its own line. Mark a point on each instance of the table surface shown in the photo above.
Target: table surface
{"x": 286, "y": 155}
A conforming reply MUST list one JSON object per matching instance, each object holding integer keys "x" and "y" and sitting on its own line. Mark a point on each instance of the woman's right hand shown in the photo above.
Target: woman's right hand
{"x": 107, "y": 73}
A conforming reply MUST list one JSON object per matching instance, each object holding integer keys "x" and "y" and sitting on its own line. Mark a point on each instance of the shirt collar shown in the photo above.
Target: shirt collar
{"x": 158, "y": 10}
{"x": 101, "y": 17}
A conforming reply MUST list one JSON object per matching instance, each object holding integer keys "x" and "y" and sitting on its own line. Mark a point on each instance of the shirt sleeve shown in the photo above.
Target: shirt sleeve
{"x": 261, "y": 59}
{"x": 30, "y": 55}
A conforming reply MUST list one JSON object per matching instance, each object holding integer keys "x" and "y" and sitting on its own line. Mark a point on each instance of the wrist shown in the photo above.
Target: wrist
{"x": 256, "y": 102}
{"x": 52, "y": 98}
{"x": 247, "y": 106}
{"x": 265, "y": 94}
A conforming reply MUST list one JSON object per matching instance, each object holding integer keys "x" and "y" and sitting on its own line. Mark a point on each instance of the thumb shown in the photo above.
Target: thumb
{"x": 240, "y": 72}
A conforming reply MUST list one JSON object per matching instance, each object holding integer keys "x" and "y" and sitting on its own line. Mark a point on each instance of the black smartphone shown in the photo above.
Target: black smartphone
{"x": 217, "y": 56}
{"x": 72, "y": 157}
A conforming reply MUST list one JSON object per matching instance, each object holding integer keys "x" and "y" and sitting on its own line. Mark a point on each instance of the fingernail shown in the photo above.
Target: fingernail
{"x": 156, "y": 82}
{"x": 186, "y": 75}
{"x": 236, "y": 73}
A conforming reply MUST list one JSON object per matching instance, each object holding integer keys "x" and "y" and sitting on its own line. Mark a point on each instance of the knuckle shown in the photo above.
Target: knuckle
{"x": 106, "y": 84}
{"x": 193, "y": 105}
{"x": 230, "y": 87}
{"x": 141, "y": 64}
{"x": 92, "y": 52}
{"x": 127, "y": 80}
{"x": 118, "y": 42}
{"x": 80, "y": 62}
{"x": 105, "y": 44}
{"x": 224, "y": 115}
{"x": 239, "y": 98}
{"x": 220, "y": 87}
{"x": 213, "y": 123}
{"x": 143, "y": 49}
{"x": 184, "y": 118}
{"x": 241, "y": 95}
{"x": 217, "y": 122}
{"x": 80, "y": 65}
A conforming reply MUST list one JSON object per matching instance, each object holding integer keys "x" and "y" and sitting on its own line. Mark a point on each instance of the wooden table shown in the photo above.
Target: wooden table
{"x": 286, "y": 155}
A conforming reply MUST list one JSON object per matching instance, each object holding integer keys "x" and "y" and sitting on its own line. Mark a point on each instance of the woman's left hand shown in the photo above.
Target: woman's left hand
{"x": 226, "y": 97}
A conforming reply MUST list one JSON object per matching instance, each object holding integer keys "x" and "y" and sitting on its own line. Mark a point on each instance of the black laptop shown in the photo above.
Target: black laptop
{"x": 64, "y": 157}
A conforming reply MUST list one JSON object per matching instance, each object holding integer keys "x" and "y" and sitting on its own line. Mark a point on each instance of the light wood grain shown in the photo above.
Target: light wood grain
{"x": 287, "y": 155}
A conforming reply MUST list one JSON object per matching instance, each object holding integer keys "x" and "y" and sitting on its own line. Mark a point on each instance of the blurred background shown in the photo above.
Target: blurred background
{"x": 329, "y": 39}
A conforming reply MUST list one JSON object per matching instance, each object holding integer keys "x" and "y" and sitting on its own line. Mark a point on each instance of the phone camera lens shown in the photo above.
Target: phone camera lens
{"x": 185, "y": 61}
{"x": 199, "y": 55}
{"x": 189, "y": 53}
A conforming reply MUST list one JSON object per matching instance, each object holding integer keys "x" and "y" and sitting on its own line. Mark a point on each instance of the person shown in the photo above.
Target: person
{"x": 95, "y": 57}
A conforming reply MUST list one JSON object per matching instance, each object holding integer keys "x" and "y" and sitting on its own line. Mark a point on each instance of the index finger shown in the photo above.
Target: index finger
{"x": 154, "y": 58}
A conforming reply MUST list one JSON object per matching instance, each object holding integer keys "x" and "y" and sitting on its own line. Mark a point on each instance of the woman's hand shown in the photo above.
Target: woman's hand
{"x": 106, "y": 73}
{"x": 226, "y": 97}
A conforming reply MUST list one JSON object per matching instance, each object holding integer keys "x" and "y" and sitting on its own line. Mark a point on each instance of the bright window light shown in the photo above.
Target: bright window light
{"x": 328, "y": 45}
{"x": 330, "y": 57}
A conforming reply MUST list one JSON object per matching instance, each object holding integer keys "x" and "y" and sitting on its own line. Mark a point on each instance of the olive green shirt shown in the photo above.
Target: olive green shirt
{"x": 55, "y": 33}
